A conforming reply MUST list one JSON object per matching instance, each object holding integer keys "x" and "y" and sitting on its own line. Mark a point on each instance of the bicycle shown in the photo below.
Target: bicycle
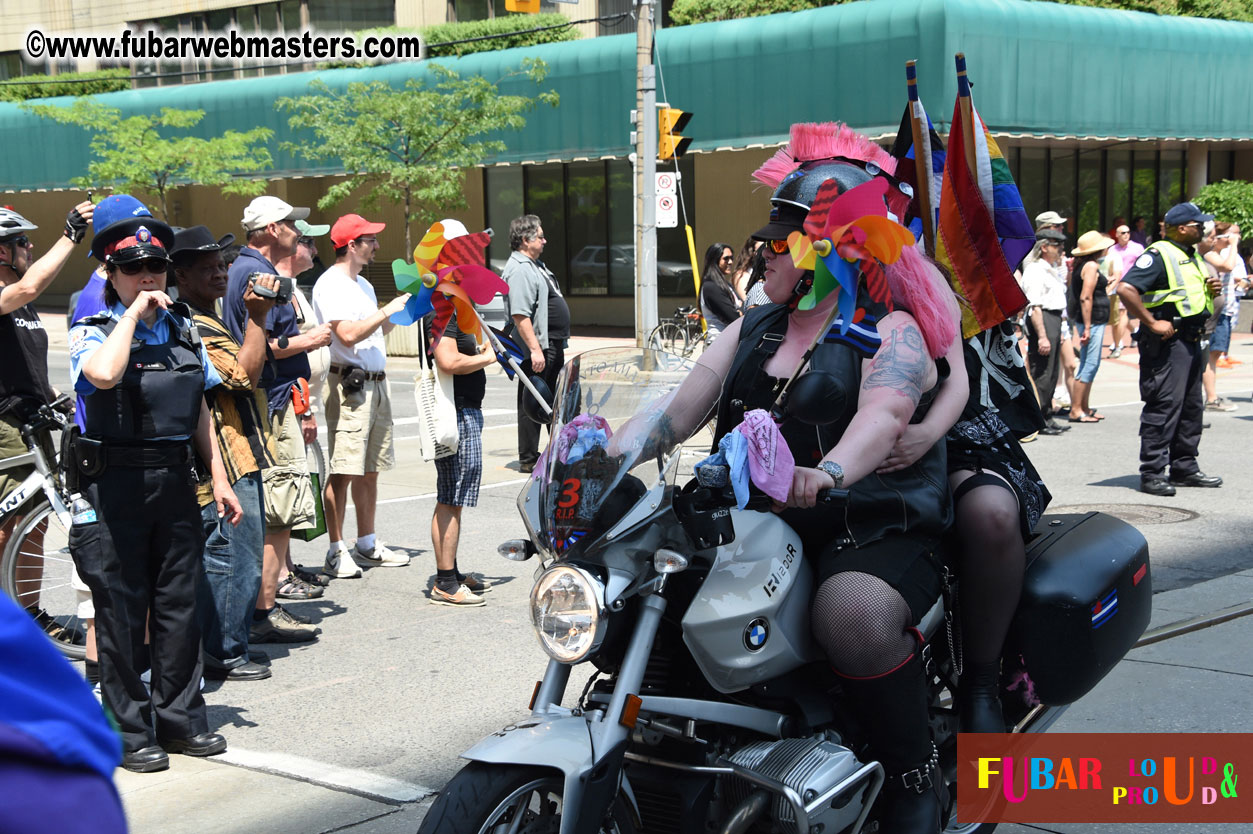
{"x": 35, "y": 568}
{"x": 681, "y": 333}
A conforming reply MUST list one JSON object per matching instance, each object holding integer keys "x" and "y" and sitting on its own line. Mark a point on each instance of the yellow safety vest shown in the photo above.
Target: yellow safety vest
{"x": 1185, "y": 278}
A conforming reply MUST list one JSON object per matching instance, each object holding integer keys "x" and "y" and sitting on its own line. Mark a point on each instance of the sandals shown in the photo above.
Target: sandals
{"x": 311, "y": 577}
{"x": 294, "y": 588}
{"x": 1095, "y": 415}
{"x": 1087, "y": 418}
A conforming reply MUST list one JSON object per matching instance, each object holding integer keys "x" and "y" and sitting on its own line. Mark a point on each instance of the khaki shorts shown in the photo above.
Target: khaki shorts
{"x": 11, "y": 445}
{"x": 359, "y": 427}
{"x": 285, "y": 487}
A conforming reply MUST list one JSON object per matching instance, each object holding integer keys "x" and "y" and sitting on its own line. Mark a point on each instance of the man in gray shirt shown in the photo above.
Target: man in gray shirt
{"x": 541, "y": 318}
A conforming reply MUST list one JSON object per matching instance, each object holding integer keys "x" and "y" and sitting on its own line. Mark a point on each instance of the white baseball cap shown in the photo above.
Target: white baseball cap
{"x": 265, "y": 210}
{"x": 454, "y": 229}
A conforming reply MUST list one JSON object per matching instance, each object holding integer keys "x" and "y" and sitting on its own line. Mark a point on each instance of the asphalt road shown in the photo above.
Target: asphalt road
{"x": 397, "y": 688}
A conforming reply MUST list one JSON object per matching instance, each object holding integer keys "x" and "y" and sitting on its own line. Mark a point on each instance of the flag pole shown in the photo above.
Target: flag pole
{"x": 968, "y": 125}
{"x": 922, "y": 173}
{"x": 501, "y": 353}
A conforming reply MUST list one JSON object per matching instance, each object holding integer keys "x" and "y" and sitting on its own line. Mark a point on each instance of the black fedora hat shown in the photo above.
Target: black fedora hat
{"x": 199, "y": 239}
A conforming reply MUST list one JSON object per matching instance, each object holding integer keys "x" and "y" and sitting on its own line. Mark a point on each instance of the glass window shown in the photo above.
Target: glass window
{"x": 290, "y": 12}
{"x": 1220, "y": 165}
{"x": 1144, "y": 189}
{"x": 336, "y": 16}
{"x": 472, "y": 9}
{"x": 621, "y": 226}
{"x": 1032, "y": 179}
{"x": 10, "y": 65}
{"x": 503, "y": 187}
{"x": 545, "y": 198}
{"x": 1062, "y": 175}
{"x": 587, "y": 222}
{"x": 1089, "y": 207}
{"x": 1170, "y": 180}
{"x": 617, "y": 7}
{"x": 1118, "y": 186}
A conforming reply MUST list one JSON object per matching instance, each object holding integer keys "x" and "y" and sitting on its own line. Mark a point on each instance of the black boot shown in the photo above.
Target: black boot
{"x": 892, "y": 710}
{"x": 980, "y": 708}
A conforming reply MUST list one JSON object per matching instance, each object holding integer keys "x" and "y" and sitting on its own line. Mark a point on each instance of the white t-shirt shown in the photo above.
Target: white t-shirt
{"x": 340, "y": 297}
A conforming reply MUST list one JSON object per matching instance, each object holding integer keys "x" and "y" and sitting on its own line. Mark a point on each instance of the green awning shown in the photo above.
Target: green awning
{"x": 1039, "y": 69}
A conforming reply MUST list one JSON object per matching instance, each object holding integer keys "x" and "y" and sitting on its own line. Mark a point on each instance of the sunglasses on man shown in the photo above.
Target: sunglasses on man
{"x": 777, "y": 246}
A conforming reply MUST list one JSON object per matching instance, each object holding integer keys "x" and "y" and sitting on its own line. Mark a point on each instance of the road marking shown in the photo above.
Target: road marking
{"x": 361, "y": 782}
{"x": 426, "y": 495}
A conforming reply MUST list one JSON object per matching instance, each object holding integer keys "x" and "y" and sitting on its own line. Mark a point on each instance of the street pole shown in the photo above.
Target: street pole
{"x": 645, "y": 178}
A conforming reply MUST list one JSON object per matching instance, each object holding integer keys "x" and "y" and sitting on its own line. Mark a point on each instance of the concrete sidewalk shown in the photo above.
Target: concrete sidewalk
{"x": 1195, "y": 683}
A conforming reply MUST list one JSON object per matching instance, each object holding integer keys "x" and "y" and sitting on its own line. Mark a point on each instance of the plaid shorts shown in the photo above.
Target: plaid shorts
{"x": 459, "y": 475}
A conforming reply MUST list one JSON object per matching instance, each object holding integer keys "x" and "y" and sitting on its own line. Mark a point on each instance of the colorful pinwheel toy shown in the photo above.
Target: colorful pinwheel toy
{"x": 447, "y": 275}
{"x": 847, "y": 234}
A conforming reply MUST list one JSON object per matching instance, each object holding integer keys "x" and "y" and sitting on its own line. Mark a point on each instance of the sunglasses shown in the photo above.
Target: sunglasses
{"x": 21, "y": 240}
{"x": 777, "y": 246}
{"x": 154, "y": 266}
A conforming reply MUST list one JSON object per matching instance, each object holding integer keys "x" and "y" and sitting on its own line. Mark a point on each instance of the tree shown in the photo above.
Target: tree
{"x": 135, "y": 153}
{"x": 410, "y": 145}
{"x": 1230, "y": 201}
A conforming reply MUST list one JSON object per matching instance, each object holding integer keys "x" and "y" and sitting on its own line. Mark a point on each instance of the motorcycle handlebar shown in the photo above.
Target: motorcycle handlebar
{"x": 760, "y": 501}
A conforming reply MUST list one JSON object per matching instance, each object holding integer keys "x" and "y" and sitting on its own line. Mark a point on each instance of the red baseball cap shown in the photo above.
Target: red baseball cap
{"x": 352, "y": 226}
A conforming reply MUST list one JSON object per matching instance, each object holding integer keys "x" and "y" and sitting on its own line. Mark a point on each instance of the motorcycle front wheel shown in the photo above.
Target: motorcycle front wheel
{"x": 485, "y": 798}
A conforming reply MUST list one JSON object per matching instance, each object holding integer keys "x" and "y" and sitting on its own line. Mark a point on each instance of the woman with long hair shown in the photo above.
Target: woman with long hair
{"x": 718, "y": 302}
{"x": 742, "y": 269}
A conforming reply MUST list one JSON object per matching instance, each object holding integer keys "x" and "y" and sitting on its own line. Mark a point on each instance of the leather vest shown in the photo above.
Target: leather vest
{"x": 913, "y": 500}
{"x": 161, "y": 391}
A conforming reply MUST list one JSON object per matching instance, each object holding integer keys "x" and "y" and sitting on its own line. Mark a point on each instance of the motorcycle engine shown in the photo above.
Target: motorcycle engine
{"x": 811, "y": 767}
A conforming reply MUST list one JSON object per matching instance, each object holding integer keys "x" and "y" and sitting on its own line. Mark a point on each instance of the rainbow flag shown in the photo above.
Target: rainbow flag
{"x": 983, "y": 232}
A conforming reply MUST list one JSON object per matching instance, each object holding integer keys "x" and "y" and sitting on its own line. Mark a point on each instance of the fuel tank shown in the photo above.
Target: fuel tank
{"x": 750, "y": 620}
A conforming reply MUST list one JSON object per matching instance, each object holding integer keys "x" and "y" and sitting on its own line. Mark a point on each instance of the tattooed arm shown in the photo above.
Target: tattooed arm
{"x": 893, "y": 380}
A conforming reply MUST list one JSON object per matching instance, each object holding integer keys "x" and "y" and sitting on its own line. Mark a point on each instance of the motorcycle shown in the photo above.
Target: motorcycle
{"x": 710, "y": 708}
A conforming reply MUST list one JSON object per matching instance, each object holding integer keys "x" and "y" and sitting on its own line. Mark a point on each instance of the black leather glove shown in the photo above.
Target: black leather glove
{"x": 75, "y": 226}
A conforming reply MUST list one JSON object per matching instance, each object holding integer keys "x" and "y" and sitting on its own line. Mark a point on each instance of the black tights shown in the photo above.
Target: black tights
{"x": 991, "y": 562}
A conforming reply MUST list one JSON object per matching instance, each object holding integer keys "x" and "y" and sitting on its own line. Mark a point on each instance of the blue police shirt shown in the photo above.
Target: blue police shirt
{"x": 90, "y": 301}
{"x": 85, "y": 340}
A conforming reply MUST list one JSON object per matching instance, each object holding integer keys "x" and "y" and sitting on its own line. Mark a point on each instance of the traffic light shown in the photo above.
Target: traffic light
{"x": 671, "y": 120}
{"x": 523, "y": 6}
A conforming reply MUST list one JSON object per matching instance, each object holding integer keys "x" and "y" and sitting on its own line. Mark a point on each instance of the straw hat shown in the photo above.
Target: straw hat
{"x": 1090, "y": 242}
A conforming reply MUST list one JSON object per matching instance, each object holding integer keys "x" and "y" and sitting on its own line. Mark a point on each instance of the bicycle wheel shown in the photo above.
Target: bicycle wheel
{"x": 36, "y": 570}
{"x": 670, "y": 337}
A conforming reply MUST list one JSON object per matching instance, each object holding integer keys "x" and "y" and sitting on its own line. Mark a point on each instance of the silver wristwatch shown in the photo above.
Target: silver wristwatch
{"x": 835, "y": 471}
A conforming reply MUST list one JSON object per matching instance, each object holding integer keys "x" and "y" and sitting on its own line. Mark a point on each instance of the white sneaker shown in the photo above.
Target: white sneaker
{"x": 339, "y": 564}
{"x": 380, "y": 557}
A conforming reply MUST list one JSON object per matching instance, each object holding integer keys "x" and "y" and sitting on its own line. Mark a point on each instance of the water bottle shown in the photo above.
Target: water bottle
{"x": 81, "y": 512}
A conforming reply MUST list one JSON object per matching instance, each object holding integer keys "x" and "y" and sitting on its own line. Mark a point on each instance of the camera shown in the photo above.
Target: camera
{"x": 281, "y": 295}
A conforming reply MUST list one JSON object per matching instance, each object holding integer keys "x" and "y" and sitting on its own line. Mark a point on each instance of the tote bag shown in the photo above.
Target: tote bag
{"x": 437, "y": 415}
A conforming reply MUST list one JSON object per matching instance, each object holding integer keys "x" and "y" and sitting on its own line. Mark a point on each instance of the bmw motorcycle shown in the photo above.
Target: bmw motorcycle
{"x": 710, "y": 708}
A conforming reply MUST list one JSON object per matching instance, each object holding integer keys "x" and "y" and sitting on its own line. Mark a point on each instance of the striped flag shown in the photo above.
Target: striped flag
{"x": 980, "y": 239}
{"x": 933, "y": 161}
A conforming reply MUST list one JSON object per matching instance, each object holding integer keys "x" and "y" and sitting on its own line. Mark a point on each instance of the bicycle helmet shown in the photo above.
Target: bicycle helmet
{"x": 13, "y": 224}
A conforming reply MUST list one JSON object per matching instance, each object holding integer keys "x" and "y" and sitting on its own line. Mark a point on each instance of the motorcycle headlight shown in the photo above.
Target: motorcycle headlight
{"x": 567, "y": 610}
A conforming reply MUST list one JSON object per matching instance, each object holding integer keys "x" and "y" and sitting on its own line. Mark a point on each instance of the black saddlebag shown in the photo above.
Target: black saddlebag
{"x": 1086, "y": 600}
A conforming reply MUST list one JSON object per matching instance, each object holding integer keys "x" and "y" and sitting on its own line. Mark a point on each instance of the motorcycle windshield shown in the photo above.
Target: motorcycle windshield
{"x": 621, "y": 416}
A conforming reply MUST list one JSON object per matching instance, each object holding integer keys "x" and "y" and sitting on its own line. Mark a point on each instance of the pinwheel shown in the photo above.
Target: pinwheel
{"x": 847, "y": 234}
{"x": 449, "y": 274}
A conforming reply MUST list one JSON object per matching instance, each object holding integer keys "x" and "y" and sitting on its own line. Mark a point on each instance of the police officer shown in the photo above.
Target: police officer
{"x": 1172, "y": 293}
{"x": 142, "y": 373}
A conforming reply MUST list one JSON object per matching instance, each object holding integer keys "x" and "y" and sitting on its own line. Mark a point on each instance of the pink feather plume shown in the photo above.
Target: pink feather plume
{"x": 917, "y": 286}
{"x": 810, "y": 141}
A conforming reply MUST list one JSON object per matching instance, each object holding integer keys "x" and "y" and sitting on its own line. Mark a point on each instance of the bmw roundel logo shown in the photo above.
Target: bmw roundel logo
{"x": 756, "y": 634}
